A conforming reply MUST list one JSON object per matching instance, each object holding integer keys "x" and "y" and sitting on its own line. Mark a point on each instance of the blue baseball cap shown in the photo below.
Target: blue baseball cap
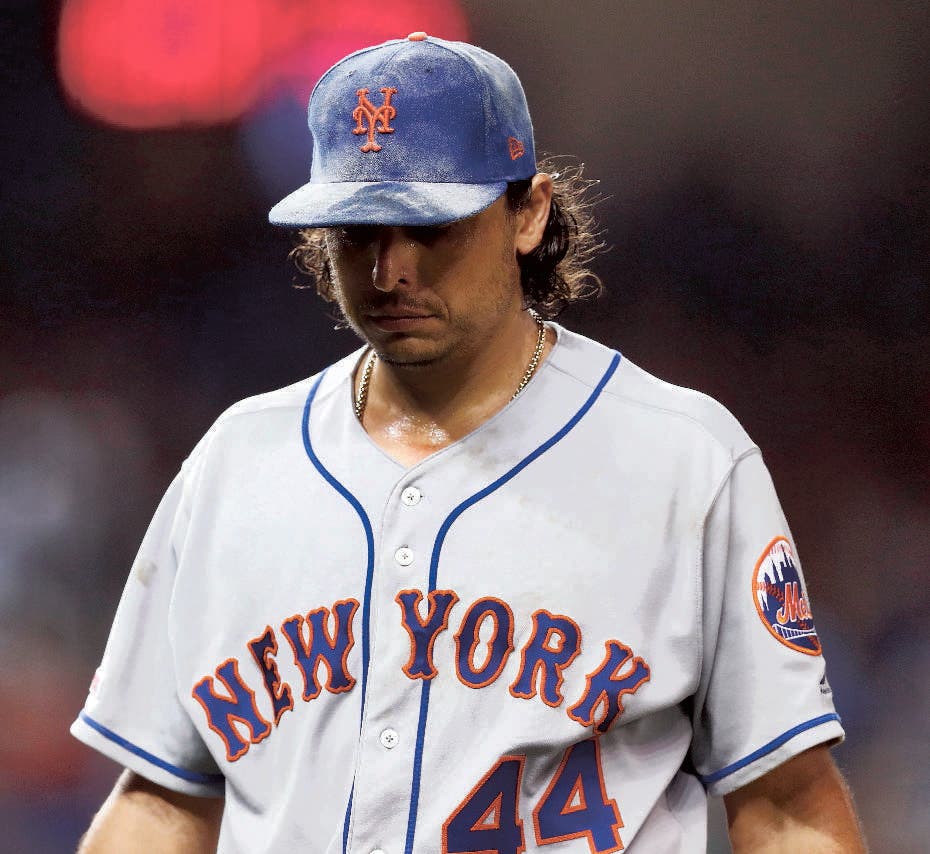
{"x": 415, "y": 131}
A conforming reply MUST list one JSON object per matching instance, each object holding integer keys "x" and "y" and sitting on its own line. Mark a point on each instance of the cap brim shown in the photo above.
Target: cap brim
{"x": 383, "y": 203}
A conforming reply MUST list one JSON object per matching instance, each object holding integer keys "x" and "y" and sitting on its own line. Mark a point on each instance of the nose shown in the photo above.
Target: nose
{"x": 395, "y": 259}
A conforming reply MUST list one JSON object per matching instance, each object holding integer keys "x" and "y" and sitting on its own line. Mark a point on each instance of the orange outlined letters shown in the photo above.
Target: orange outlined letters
{"x": 499, "y": 646}
{"x": 264, "y": 648}
{"x": 237, "y": 707}
{"x": 553, "y": 646}
{"x": 487, "y": 821}
{"x": 602, "y": 702}
{"x": 576, "y": 805}
{"x": 332, "y": 650}
{"x": 423, "y": 632}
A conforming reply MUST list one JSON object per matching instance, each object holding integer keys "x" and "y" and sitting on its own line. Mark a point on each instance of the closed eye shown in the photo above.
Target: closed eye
{"x": 429, "y": 234}
{"x": 362, "y": 235}
{"x": 356, "y": 235}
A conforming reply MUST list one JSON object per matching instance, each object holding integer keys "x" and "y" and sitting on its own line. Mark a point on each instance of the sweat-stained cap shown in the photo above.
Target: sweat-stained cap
{"x": 415, "y": 131}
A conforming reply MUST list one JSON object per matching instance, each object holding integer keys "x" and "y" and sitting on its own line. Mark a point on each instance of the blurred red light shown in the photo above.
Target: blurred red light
{"x": 165, "y": 63}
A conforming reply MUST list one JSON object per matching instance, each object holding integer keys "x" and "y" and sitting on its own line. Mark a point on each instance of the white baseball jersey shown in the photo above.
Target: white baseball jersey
{"x": 556, "y": 634}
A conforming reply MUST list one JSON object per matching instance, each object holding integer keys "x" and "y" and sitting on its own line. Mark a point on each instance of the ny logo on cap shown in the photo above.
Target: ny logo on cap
{"x": 378, "y": 118}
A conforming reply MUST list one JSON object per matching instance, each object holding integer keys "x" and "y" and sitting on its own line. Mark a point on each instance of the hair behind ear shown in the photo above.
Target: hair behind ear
{"x": 556, "y": 273}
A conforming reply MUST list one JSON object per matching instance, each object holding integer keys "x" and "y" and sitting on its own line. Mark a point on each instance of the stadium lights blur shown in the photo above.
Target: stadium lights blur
{"x": 145, "y": 64}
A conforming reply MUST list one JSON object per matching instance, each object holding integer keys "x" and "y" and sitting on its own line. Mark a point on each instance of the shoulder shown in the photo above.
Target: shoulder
{"x": 664, "y": 400}
{"x": 641, "y": 402}
{"x": 264, "y": 420}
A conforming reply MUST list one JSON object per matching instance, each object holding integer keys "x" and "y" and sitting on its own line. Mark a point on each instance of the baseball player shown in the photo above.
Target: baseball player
{"x": 481, "y": 586}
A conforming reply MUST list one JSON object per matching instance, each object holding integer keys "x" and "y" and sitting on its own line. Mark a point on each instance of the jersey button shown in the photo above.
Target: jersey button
{"x": 404, "y": 556}
{"x": 389, "y": 739}
{"x": 377, "y": 851}
{"x": 411, "y": 496}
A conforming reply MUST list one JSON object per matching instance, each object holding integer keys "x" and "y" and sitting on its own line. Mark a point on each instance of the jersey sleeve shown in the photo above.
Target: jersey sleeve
{"x": 133, "y": 713}
{"x": 763, "y": 696}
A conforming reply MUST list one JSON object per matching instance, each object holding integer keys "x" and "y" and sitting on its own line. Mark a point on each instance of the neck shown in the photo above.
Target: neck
{"x": 412, "y": 411}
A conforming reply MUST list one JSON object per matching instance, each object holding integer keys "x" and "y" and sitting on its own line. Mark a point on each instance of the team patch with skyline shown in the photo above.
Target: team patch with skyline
{"x": 781, "y": 598}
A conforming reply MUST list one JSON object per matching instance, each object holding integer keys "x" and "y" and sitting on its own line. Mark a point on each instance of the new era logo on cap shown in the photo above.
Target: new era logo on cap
{"x": 445, "y": 128}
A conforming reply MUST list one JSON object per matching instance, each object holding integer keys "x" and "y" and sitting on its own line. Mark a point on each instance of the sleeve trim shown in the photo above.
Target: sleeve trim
{"x": 183, "y": 773}
{"x": 773, "y": 745}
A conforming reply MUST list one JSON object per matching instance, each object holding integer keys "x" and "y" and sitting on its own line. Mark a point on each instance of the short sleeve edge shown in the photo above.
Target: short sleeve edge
{"x": 120, "y": 750}
{"x": 827, "y": 727}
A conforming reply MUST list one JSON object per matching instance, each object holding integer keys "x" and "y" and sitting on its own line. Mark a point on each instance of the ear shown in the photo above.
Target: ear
{"x": 532, "y": 217}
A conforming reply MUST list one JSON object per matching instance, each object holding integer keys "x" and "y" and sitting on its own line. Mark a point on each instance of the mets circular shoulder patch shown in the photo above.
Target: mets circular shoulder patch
{"x": 781, "y": 599}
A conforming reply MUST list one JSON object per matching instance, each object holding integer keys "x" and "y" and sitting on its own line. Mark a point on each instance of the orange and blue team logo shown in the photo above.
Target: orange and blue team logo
{"x": 370, "y": 118}
{"x": 781, "y": 598}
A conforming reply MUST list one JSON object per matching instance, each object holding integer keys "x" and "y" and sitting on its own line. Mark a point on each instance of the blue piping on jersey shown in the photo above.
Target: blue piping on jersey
{"x": 774, "y": 744}
{"x": 345, "y": 824}
{"x": 183, "y": 773}
{"x": 369, "y": 570}
{"x": 434, "y": 570}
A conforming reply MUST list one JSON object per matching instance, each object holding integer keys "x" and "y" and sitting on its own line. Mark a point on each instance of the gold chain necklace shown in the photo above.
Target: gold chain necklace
{"x": 361, "y": 398}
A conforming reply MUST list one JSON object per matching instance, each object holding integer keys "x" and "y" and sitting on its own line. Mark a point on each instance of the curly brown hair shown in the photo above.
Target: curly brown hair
{"x": 554, "y": 275}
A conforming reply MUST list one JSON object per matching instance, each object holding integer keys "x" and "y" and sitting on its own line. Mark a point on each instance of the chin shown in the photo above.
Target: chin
{"x": 409, "y": 353}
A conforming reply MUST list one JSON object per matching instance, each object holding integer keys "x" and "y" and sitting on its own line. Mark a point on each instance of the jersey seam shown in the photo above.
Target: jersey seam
{"x": 575, "y": 377}
{"x": 235, "y": 412}
{"x": 727, "y": 475}
{"x": 699, "y": 569}
{"x": 617, "y": 395}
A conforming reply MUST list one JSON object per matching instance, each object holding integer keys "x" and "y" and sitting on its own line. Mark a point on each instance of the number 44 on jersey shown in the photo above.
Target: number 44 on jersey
{"x": 574, "y": 806}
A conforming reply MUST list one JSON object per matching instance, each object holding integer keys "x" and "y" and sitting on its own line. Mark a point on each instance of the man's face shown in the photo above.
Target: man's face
{"x": 420, "y": 294}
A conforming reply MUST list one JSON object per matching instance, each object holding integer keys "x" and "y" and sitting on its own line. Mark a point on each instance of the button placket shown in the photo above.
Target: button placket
{"x": 410, "y": 496}
{"x": 407, "y": 529}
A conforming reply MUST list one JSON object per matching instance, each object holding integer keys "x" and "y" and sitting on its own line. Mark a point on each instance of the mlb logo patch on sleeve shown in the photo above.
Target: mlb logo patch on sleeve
{"x": 781, "y": 598}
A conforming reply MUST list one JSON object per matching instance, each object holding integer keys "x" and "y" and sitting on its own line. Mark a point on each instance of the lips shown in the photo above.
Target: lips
{"x": 400, "y": 310}
{"x": 398, "y": 315}
{"x": 400, "y": 320}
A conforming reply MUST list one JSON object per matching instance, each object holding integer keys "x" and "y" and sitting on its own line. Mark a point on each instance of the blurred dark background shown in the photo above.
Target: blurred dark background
{"x": 765, "y": 169}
